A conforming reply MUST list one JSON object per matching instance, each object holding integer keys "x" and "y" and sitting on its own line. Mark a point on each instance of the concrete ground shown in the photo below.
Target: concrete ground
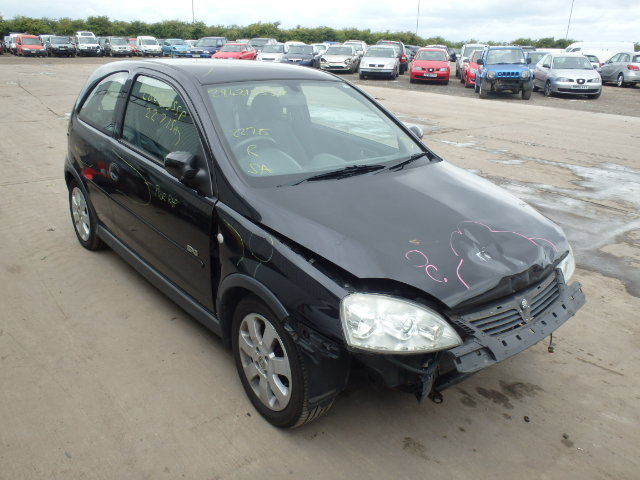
{"x": 101, "y": 377}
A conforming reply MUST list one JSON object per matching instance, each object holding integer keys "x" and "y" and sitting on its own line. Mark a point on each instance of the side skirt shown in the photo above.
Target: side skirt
{"x": 179, "y": 296}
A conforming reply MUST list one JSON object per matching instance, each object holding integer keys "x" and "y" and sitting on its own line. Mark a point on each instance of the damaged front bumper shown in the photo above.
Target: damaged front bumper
{"x": 492, "y": 333}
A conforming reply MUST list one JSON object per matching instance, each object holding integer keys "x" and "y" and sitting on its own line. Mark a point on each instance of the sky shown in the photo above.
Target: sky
{"x": 454, "y": 20}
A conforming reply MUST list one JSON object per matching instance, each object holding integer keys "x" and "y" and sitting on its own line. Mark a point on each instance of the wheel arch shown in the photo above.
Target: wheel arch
{"x": 232, "y": 289}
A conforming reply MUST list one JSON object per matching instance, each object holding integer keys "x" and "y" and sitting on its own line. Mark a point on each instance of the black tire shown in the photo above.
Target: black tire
{"x": 526, "y": 94}
{"x": 256, "y": 365}
{"x": 476, "y": 88}
{"x": 446, "y": 82}
{"x": 482, "y": 92}
{"x": 361, "y": 76}
{"x": 84, "y": 218}
{"x": 462, "y": 79}
{"x": 535, "y": 89}
{"x": 620, "y": 80}
{"x": 411, "y": 80}
{"x": 547, "y": 89}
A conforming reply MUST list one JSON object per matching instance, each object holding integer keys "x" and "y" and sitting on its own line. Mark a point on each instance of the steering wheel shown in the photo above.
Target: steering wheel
{"x": 249, "y": 140}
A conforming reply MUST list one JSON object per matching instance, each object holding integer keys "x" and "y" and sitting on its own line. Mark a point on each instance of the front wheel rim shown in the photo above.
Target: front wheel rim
{"x": 265, "y": 362}
{"x": 620, "y": 80}
{"x": 80, "y": 214}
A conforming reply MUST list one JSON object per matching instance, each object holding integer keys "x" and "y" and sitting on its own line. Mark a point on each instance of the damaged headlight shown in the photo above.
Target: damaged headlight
{"x": 568, "y": 266}
{"x": 384, "y": 324}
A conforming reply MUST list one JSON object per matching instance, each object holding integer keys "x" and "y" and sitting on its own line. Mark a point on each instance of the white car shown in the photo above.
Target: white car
{"x": 148, "y": 46}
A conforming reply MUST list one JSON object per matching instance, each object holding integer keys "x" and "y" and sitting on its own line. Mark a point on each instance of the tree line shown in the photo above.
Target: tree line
{"x": 103, "y": 26}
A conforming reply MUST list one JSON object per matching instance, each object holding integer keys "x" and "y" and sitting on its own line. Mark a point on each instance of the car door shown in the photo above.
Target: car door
{"x": 542, "y": 72}
{"x": 609, "y": 68}
{"x": 91, "y": 131}
{"x": 164, "y": 221}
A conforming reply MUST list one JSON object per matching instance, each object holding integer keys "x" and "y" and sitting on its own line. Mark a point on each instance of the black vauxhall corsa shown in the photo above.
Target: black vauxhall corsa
{"x": 303, "y": 223}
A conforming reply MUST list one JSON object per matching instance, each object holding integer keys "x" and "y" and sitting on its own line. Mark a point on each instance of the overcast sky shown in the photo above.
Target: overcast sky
{"x": 455, "y": 20}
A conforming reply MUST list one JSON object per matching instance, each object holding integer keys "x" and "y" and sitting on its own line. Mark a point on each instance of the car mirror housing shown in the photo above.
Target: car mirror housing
{"x": 480, "y": 61}
{"x": 182, "y": 165}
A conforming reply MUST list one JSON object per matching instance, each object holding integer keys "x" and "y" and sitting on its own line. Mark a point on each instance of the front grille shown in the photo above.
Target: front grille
{"x": 508, "y": 74}
{"x": 578, "y": 90}
{"x": 513, "y": 313}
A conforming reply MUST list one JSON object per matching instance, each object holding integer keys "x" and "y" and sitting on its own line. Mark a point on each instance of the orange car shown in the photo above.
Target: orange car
{"x": 30, "y": 46}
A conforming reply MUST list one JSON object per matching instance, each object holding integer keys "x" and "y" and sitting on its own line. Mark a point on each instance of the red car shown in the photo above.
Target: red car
{"x": 239, "y": 51}
{"x": 431, "y": 64}
{"x": 470, "y": 68}
{"x": 132, "y": 44}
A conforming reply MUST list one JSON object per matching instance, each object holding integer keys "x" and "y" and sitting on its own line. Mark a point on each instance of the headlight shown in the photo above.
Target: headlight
{"x": 594, "y": 80}
{"x": 418, "y": 69}
{"x": 322, "y": 59}
{"x": 564, "y": 79}
{"x": 568, "y": 266}
{"x": 443, "y": 69}
{"x": 384, "y": 324}
{"x": 491, "y": 75}
{"x": 526, "y": 74}
{"x": 347, "y": 61}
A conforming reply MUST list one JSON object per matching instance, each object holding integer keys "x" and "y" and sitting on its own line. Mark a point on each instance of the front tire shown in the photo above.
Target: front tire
{"x": 526, "y": 94}
{"x": 270, "y": 366}
{"x": 547, "y": 89}
{"x": 482, "y": 91}
{"x": 83, "y": 218}
{"x": 620, "y": 80}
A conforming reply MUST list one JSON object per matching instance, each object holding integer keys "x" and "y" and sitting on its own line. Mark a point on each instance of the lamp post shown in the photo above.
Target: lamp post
{"x": 569, "y": 23}
{"x": 417, "y": 18}
{"x": 193, "y": 15}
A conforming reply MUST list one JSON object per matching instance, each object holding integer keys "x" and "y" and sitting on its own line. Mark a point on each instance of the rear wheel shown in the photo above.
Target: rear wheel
{"x": 84, "y": 219}
{"x": 271, "y": 367}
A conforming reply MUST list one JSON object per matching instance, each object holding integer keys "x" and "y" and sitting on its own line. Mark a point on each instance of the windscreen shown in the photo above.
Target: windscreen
{"x": 273, "y": 49}
{"x": 297, "y": 128}
{"x": 508, "y": 56}
{"x": 572, "y": 63}
{"x": 118, "y": 41}
{"x": 432, "y": 55}
{"x": 301, "y": 49}
{"x": 381, "y": 52}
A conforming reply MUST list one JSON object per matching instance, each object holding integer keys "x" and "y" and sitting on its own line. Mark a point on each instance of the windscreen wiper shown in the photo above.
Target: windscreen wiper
{"x": 412, "y": 158}
{"x": 345, "y": 172}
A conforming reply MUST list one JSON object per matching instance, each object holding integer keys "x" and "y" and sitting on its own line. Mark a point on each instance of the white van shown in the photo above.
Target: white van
{"x": 12, "y": 42}
{"x": 87, "y": 45}
{"x": 148, "y": 46}
{"x": 603, "y": 50}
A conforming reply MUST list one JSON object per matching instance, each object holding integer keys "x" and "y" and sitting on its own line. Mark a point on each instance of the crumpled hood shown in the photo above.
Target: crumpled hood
{"x": 435, "y": 227}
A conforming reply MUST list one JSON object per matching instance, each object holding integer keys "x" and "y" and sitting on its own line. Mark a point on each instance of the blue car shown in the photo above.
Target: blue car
{"x": 305, "y": 55}
{"x": 504, "y": 68}
{"x": 207, "y": 46}
{"x": 175, "y": 47}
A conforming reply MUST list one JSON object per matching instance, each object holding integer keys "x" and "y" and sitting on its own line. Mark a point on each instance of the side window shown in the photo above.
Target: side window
{"x": 157, "y": 120}
{"x": 615, "y": 58}
{"x": 99, "y": 108}
{"x": 625, "y": 57}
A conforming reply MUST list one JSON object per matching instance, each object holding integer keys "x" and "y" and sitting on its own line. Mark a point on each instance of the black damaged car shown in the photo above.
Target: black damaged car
{"x": 298, "y": 219}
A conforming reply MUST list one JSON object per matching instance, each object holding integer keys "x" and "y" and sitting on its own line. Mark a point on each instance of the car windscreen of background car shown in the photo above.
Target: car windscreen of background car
{"x": 381, "y": 53}
{"x": 301, "y": 49}
{"x": 273, "y": 49}
{"x": 435, "y": 56}
{"x": 339, "y": 51}
{"x": 288, "y": 127}
{"x": 504, "y": 57}
{"x": 572, "y": 63}
{"x": 231, "y": 48}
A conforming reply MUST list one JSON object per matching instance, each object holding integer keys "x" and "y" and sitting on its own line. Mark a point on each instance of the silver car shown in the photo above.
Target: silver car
{"x": 340, "y": 58}
{"x": 271, "y": 53}
{"x": 566, "y": 73}
{"x": 623, "y": 69}
{"x": 380, "y": 60}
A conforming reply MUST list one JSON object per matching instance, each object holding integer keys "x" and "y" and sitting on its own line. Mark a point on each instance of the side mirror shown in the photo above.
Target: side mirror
{"x": 528, "y": 60}
{"x": 480, "y": 61}
{"x": 416, "y": 130}
{"x": 546, "y": 65}
{"x": 182, "y": 165}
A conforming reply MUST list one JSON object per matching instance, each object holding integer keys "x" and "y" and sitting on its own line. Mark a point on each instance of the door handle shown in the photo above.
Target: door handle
{"x": 114, "y": 172}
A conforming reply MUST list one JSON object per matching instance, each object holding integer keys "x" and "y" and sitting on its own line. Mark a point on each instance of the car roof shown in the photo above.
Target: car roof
{"x": 207, "y": 72}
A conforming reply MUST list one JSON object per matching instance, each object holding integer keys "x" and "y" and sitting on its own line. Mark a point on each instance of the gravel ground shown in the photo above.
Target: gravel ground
{"x": 618, "y": 101}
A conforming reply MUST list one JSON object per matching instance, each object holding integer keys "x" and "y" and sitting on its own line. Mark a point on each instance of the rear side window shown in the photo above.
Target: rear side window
{"x": 99, "y": 108}
{"x": 157, "y": 120}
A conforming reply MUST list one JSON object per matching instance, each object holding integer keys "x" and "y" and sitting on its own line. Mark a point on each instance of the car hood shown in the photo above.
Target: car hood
{"x": 336, "y": 58}
{"x": 435, "y": 227}
{"x": 304, "y": 56}
{"x": 379, "y": 60}
{"x": 430, "y": 63}
{"x": 574, "y": 73}
{"x": 227, "y": 54}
